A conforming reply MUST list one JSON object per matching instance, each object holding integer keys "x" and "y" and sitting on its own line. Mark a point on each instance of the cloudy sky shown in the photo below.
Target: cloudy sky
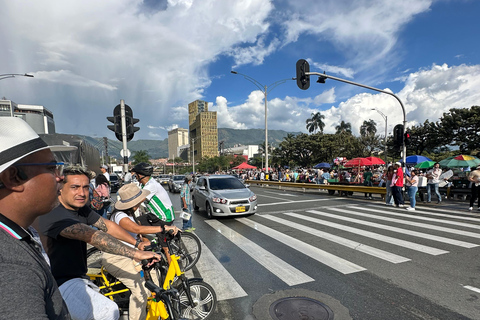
{"x": 159, "y": 55}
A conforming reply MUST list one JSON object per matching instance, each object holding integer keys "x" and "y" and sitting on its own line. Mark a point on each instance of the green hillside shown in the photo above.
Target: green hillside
{"x": 159, "y": 148}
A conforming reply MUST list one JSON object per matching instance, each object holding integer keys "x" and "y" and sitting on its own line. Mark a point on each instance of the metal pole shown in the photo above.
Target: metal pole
{"x": 193, "y": 156}
{"x": 386, "y": 125}
{"x": 12, "y": 75}
{"x": 124, "y": 136}
{"x": 266, "y": 133}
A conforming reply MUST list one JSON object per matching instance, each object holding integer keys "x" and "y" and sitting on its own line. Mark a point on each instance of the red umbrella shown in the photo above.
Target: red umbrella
{"x": 358, "y": 162}
{"x": 375, "y": 160}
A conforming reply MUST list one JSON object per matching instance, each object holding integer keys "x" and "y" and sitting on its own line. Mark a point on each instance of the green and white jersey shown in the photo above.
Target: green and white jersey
{"x": 159, "y": 202}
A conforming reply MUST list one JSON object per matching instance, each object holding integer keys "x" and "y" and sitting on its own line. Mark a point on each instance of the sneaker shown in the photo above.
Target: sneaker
{"x": 470, "y": 209}
{"x": 410, "y": 209}
{"x": 439, "y": 201}
{"x": 370, "y": 198}
{"x": 401, "y": 205}
{"x": 188, "y": 230}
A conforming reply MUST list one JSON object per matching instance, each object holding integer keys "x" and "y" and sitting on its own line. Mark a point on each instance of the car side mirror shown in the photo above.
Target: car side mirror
{"x": 202, "y": 188}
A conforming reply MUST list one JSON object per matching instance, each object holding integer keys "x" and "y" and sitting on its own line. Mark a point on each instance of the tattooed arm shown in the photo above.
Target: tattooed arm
{"x": 103, "y": 241}
{"x": 114, "y": 230}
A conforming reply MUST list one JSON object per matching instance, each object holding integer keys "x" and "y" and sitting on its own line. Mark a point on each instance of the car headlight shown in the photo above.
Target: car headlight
{"x": 219, "y": 200}
{"x": 253, "y": 198}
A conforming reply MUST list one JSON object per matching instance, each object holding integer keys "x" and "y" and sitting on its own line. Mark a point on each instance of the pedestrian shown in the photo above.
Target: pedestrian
{"x": 68, "y": 229}
{"x": 103, "y": 190}
{"x": 29, "y": 181}
{"x": 474, "y": 178}
{"x": 367, "y": 181}
{"x": 397, "y": 184}
{"x": 412, "y": 188}
{"x": 104, "y": 169}
{"x": 186, "y": 199}
{"x": 388, "y": 177}
{"x": 433, "y": 176}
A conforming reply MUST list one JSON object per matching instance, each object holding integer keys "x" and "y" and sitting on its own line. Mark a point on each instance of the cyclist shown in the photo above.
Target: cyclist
{"x": 122, "y": 268}
{"x": 158, "y": 203}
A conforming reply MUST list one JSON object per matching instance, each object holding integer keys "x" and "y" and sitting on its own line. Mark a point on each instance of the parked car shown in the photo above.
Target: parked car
{"x": 223, "y": 195}
{"x": 115, "y": 183}
{"x": 175, "y": 183}
{"x": 163, "y": 179}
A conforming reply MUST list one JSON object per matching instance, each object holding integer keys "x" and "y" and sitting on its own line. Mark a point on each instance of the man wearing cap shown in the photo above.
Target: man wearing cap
{"x": 29, "y": 183}
{"x": 68, "y": 230}
{"x": 397, "y": 184}
{"x": 104, "y": 169}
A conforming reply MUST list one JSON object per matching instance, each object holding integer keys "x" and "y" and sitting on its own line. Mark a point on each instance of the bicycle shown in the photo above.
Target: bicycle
{"x": 180, "y": 296}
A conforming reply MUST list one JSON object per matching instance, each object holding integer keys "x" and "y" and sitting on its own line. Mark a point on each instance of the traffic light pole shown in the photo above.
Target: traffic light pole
{"x": 404, "y": 148}
{"x": 124, "y": 136}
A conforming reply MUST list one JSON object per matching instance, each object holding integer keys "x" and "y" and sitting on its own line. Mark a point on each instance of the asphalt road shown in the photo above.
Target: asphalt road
{"x": 360, "y": 258}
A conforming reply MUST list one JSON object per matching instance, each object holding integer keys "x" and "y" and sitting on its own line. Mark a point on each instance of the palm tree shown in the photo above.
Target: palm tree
{"x": 344, "y": 127}
{"x": 315, "y": 122}
{"x": 368, "y": 128}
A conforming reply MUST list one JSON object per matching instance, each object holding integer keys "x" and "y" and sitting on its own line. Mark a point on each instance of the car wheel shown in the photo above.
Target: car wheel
{"x": 209, "y": 210}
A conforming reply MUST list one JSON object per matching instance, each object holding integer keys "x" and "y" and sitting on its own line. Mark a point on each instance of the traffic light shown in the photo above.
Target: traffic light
{"x": 303, "y": 80}
{"x": 407, "y": 138}
{"x": 117, "y": 124}
{"x": 130, "y": 122}
{"x": 131, "y": 129}
{"x": 398, "y": 135}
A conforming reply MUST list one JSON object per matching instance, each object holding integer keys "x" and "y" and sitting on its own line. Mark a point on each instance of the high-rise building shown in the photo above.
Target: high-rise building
{"x": 38, "y": 117}
{"x": 203, "y": 130}
{"x": 176, "y": 138}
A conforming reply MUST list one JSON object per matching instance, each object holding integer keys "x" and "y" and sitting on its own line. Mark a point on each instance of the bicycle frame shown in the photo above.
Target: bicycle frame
{"x": 107, "y": 284}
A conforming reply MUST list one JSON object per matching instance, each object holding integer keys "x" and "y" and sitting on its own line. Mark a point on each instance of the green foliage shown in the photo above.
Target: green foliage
{"x": 315, "y": 123}
{"x": 140, "y": 156}
{"x": 219, "y": 163}
{"x": 344, "y": 127}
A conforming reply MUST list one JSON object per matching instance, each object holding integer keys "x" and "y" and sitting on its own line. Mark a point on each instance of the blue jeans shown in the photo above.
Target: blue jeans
{"x": 389, "y": 195}
{"x": 434, "y": 186}
{"x": 412, "y": 191}
{"x": 188, "y": 223}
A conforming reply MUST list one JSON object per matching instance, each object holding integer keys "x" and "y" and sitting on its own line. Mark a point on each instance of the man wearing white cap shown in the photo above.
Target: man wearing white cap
{"x": 29, "y": 182}
{"x": 104, "y": 169}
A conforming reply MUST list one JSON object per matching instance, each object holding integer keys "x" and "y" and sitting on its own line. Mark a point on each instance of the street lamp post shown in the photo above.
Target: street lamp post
{"x": 265, "y": 90}
{"x": 13, "y": 75}
{"x": 385, "y": 140}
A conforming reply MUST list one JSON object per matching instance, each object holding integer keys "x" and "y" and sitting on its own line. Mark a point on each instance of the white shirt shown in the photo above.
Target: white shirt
{"x": 107, "y": 175}
{"x": 119, "y": 216}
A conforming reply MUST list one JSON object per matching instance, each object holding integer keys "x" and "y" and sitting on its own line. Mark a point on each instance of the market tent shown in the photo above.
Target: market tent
{"x": 357, "y": 162}
{"x": 244, "y": 165}
{"x": 375, "y": 160}
{"x": 322, "y": 165}
{"x": 413, "y": 160}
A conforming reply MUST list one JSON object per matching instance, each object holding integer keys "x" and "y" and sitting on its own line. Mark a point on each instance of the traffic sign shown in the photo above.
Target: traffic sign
{"x": 122, "y": 153}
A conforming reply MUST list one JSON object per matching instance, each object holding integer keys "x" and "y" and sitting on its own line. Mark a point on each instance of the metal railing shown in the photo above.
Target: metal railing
{"x": 331, "y": 188}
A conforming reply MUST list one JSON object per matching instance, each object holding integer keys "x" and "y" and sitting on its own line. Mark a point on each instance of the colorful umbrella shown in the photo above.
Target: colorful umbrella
{"x": 375, "y": 160}
{"x": 453, "y": 162}
{"x": 464, "y": 157}
{"x": 413, "y": 160}
{"x": 357, "y": 162}
{"x": 425, "y": 165}
{"x": 322, "y": 165}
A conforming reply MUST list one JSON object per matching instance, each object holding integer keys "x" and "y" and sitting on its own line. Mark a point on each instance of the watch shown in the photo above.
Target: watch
{"x": 137, "y": 243}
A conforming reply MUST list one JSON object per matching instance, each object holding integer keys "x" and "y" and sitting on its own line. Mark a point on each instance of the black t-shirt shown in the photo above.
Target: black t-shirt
{"x": 68, "y": 257}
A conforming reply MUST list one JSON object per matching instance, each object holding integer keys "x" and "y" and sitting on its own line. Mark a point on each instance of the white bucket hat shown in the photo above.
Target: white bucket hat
{"x": 130, "y": 196}
{"x": 18, "y": 140}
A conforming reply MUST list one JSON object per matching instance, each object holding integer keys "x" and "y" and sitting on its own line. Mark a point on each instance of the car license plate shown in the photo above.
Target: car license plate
{"x": 240, "y": 209}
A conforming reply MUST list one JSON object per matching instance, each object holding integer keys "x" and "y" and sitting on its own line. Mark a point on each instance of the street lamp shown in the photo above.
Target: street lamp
{"x": 385, "y": 141}
{"x": 193, "y": 154}
{"x": 265, "y": 90}
{"x": 12, "y": 75}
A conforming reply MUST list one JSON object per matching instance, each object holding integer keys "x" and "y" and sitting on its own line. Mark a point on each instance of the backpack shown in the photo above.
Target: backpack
{"x": 97, "y": 201}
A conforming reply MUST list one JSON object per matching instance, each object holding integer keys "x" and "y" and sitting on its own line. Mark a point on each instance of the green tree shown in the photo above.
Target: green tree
{"x": 368, "y": 128}
{"x": 140, "y": 156}
{"x": 344, "y": 127}
{"x": 315, "y": 122}
{"x": 462, "y": 128}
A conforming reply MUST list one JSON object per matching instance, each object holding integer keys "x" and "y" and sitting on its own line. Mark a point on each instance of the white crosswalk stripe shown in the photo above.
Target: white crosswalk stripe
{"x": 288, "y": 274}
{"x": 307, "y": 222}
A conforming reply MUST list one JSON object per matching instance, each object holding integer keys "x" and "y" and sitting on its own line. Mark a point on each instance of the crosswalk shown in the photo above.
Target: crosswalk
{"x": 387, "y": 235}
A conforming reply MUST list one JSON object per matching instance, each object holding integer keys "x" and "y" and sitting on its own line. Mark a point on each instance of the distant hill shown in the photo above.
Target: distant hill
{"x": 159, "y": 148}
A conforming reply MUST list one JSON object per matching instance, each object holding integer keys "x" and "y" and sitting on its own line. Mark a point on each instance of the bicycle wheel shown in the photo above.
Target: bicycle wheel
{"x": 203, "y": 296}
{"x": 188, "y": 248}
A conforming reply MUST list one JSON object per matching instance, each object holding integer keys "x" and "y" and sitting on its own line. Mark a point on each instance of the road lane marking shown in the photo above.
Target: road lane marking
{"x": 443, "y": 215}
{"x": 378, "y": 253}
{"x": 423, "y": 235}
{"x": 284, "y": 271}
{"x": 415, "y": 224}
{"x": 299, "y": 201}
{"x": 215, "y": 274}
{"x": 334, "y": 262}
{"x": 262, "y": 195}
{"x": 368, "y": 234}
{"x": 472, "y": 288}
{"x": 283, "y": 194}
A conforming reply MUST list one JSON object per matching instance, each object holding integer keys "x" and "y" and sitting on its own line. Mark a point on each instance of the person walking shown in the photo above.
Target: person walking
{"x": 397, "y": 184}
{"x": 412, "y": 188}
{"x": 186, "y": 199}
{"x": 433, "y": 176}
{"x": 474, "y": 178}
{"x": 367, "y": 181}
{"x": 30, "y": 178}
{"x": 388, "y": 177}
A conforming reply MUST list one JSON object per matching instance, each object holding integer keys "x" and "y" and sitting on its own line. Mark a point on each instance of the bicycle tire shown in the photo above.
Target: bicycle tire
{"x": 188, "y": 248}
{"x": 205, "y": 300}
{"x": 94, "y": 258}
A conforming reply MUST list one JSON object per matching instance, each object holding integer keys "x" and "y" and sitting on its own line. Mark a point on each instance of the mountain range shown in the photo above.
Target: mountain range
{"x": 159, "y": 148}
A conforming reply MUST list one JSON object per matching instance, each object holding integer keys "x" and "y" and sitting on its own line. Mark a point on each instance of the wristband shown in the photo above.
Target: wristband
{"x": 137, "y": 243}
